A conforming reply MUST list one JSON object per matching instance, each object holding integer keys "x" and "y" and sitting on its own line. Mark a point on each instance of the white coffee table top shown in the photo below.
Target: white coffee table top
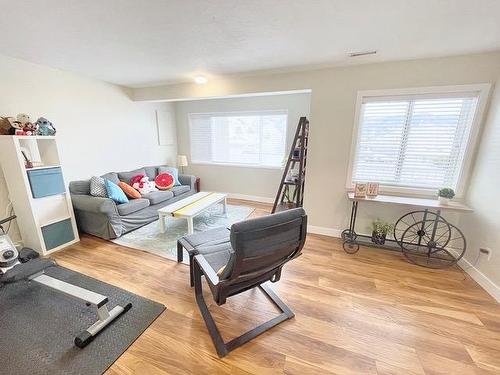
{"x": 193, "y": 205}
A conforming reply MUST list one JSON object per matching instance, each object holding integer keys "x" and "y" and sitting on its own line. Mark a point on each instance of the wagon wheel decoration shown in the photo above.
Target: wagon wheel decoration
{"x": 433, "y": 243}
{"x": 350, "y": 245}
{"x": 410, "y": 219}
{"x": 348, "y": 234}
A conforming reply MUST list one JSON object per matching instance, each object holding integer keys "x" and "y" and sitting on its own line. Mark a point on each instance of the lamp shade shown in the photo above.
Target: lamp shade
{"x": 182, "y": 161}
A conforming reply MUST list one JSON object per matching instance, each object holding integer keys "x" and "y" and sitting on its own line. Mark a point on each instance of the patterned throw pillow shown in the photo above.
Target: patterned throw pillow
{"x": 129, "y": 190}
{"x": 173, "y": 171}
{"x": 97, "y": 187}
{"x": 164, "y": 181}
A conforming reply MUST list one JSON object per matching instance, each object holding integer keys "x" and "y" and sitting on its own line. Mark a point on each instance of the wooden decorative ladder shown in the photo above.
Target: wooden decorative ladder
{"x": 291, "y": 191}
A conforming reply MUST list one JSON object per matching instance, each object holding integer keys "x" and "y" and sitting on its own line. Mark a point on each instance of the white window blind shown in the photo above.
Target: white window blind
{"x": 250, "y": 138}
{"x": 413, "y": 141}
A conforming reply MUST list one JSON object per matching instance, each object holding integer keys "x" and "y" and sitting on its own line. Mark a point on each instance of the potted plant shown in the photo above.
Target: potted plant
{"x": 380, "y": 230}
{"x": 445, "y": 195}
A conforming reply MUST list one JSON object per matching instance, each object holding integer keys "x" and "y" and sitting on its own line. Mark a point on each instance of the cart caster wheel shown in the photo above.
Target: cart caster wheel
{"x": 347, "y": 234}
{"x": 350, "y": 247}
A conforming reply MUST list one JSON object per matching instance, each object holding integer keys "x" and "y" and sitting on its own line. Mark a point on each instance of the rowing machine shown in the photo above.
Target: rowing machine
{"x": 25, "y": 265}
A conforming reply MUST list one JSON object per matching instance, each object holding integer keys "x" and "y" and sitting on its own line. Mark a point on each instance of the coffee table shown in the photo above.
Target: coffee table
{"x": 190, "y": 207}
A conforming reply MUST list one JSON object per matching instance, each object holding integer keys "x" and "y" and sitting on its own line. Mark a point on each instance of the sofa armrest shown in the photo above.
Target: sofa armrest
{"x": 89, "y": 203}
{"x": 186, "y": 179}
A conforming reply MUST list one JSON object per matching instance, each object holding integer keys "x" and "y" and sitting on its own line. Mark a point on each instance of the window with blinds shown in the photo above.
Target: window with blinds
{"x": 414, "y": 141}
{"x": 239, "y": 138}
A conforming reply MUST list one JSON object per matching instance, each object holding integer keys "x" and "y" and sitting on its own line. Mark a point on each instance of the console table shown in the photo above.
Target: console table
{"x": 423, "y": 235}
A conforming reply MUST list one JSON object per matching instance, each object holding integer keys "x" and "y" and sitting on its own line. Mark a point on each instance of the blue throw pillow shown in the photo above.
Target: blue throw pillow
{"x": 115, "y": 193}
{"x": 173, "y": 171}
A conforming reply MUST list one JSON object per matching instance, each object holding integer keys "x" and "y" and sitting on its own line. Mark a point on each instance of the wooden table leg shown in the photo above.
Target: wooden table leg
{"x": 224, "y": 207}
{"x": 190, "y": 225}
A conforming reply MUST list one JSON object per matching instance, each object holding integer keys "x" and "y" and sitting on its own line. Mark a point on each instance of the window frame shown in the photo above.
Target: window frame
{"x": 482, "y": 89}
{"x": 241, "y": 113}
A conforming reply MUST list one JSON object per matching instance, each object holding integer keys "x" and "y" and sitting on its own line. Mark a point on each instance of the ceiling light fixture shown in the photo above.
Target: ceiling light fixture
{"x": 362, "y": 53}
{"x": 200, "y": 80}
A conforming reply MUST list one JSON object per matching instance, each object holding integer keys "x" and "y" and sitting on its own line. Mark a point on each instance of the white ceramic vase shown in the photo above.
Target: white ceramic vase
{"x": 444, "y": 200}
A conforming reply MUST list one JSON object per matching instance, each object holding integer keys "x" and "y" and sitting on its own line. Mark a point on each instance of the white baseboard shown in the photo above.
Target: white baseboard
{"x": 332, "y": 232}
{"x": 253, "y": 198}
{"x": 310, "y": 228}
{"x": 480, "y": 278}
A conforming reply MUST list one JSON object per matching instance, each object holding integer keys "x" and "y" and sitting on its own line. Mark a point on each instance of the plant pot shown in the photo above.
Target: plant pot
{"x": 378, "y": 238}
{"x": 444, "y": 200}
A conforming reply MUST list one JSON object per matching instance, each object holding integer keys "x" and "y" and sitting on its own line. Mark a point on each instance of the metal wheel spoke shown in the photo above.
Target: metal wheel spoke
{"x": 413, "y": 238}
{"x": 441, "y": 236}
{"x": 415, "y": 233}
{"x": 404, "y": 222}
{"x": 414, "y": 220}
{"x": 428, "y": 226}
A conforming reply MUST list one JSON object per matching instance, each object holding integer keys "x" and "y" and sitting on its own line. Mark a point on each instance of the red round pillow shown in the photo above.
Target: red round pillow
{"x": 164, "y": 181}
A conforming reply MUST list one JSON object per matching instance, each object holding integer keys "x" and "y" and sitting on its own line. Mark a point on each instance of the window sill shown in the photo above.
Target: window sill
{"x": 238, "y": 165}
{"x": 409, "y": 192}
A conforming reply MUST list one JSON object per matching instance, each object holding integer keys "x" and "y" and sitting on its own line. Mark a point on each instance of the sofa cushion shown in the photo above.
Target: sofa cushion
{"x": 151, "y": 172}
{"x": 156, "y": 197}
{"x": 132, "y": 206}
{"x": 181, "y": 189}
{"x": 217, "y": 256}
{"x": 111, "y": 176}
{"x": 127, "y": 176}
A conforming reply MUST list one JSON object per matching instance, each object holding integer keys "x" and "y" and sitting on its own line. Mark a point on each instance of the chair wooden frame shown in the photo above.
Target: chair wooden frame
{"x": 201, "y": 267}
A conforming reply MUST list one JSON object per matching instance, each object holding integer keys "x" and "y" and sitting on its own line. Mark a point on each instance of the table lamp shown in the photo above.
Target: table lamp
{"x": 182, "y": 162}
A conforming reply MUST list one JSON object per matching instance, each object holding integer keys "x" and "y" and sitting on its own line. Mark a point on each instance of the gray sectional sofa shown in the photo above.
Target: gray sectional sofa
{"x": 102, "y": 217}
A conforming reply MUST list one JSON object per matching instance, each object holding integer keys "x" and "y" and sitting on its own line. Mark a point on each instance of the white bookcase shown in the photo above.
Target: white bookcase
{"x": 39, "y": 195}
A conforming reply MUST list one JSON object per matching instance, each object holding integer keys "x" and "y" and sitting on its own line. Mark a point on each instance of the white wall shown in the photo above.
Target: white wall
{"x": 333, "y": 100}
{"x": 482, "y": 227}
{"x": 98, "y": 127}
{"x": 257, "y": 182}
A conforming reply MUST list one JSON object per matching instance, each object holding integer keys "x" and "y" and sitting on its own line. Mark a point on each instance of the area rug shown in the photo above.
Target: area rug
{"x": 149, "y": 238}
{"x": 38, "y": 326}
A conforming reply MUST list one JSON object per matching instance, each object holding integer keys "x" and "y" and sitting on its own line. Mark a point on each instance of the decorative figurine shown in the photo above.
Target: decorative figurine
{"x": 7, "y": 126}
{"x": 23, "y": 125}
{"x": 45, "y": 127}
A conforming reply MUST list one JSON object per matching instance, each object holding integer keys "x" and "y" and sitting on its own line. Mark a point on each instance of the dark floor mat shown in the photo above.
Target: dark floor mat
{"x": 38, "y": 326}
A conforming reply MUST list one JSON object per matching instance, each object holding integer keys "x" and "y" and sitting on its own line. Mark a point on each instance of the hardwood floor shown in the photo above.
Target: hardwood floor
{"x": 368, "y": 313}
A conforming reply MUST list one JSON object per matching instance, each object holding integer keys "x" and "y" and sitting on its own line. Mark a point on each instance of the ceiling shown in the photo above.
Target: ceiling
{"x": 141, "y": 43}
